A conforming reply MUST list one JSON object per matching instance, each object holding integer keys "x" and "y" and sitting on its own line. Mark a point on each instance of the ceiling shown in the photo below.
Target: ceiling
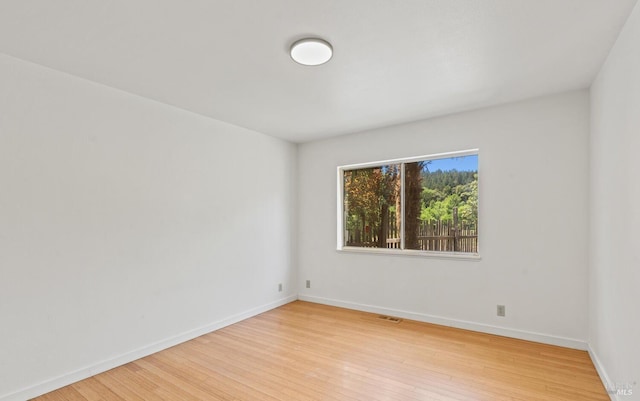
{"x": 394, "y": 60}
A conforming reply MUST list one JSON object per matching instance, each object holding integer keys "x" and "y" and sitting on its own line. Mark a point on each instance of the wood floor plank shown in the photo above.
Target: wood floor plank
{"x": 304, "y": 351}
{"x": 67, "y": 393}
{"x": 93, "y": 390}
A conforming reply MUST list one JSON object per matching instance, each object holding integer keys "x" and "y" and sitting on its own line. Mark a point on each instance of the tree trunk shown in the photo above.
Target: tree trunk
{"x": 384, "y": 226}
{"x": 412, "y": 203}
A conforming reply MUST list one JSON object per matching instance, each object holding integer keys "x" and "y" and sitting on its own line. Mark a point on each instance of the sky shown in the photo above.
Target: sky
{"x": 462, "y": 163}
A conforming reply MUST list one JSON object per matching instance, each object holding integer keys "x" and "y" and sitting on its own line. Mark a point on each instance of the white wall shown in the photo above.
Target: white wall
{"x": 127, "y": 225}
{"x": 533, "y": 228}
{"x": 614, "y": 318}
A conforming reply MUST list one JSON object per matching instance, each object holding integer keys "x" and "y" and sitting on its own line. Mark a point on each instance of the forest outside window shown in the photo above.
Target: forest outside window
{"x": 423, "y": 205}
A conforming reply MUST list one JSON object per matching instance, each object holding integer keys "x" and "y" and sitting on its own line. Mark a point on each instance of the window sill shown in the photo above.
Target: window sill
{"x": 413, "y": 253}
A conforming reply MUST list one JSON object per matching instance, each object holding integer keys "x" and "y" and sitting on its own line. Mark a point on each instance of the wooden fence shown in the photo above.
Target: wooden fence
{"x": 446, "y": 236}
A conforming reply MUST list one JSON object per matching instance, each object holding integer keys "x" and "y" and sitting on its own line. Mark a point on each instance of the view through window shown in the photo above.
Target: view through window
{"x": 425, "y": 204}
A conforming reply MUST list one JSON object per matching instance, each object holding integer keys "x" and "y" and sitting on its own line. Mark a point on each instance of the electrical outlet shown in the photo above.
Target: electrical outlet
{"x": 308, "y": 283}
{"x": 501, "y": 310}
{"x": 280, "y": 287}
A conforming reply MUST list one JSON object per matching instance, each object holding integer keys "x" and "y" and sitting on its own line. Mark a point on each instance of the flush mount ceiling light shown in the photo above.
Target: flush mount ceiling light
{"x": 311, "y": 51}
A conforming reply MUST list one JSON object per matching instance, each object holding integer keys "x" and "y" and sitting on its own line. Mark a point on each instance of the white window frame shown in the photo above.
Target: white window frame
{"x": 405, "y": 252}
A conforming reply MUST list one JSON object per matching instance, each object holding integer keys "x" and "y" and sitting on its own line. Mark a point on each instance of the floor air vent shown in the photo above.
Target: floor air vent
{"x": 390, "y": 319}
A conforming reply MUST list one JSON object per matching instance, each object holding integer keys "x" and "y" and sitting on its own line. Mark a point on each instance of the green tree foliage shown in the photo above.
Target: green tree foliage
{"x": 447, "y": 181}
{"x": 468, "y": 211}
{"x": 443, "y": 191}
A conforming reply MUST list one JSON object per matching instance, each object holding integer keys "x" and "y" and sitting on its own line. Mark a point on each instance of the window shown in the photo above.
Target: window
{"x": 421, "y": 205}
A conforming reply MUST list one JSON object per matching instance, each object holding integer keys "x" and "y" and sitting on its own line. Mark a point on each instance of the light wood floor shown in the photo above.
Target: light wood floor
{"x": 305, "y": 351}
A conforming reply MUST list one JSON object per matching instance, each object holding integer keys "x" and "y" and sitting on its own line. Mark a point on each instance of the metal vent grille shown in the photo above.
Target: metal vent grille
{"x": 390, "y": 319}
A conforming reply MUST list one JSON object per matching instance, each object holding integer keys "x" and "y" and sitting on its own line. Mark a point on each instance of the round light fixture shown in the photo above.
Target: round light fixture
{"x": 311, "y": 51}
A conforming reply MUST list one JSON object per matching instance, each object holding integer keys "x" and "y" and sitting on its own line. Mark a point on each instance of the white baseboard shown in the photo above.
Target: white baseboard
{"x": 604, "y": 377}
{"x": 461, "y": 324}
{"x": 88, "y": 371}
